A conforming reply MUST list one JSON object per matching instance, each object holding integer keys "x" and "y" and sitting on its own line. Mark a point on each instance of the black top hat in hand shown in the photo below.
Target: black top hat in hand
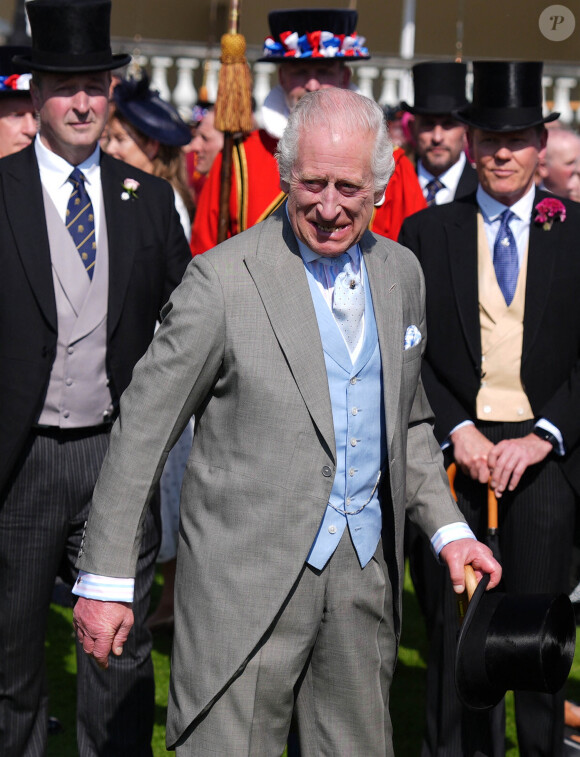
{"x": 439, "y": 88}
{"x": 510, "y": 642}
{"x": 70, "y": 36}
{"x": 507, "y": 96}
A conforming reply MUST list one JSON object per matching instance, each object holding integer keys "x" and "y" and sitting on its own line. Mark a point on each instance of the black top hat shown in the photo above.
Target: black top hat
{"x": 509, "y": 641}
{"x": 507, "y": 96}
{"x": 70, "y": 36}
{"x": 144, "y": 109}
{"x": 13, "y": 82}
{"x": 439, "y": 88}
{"x": 314, "y": 33}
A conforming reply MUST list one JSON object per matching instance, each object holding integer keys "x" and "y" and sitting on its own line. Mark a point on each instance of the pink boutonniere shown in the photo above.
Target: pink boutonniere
{"x": 549, "y": 210}
{"x": 130, "y": 187}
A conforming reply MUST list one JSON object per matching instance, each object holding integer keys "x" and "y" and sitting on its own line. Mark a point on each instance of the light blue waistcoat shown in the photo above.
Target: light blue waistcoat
{"x": 359, "y": 429}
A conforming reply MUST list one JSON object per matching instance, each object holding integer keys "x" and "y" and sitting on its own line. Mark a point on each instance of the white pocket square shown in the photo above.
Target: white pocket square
{"x": 412, "y": 337}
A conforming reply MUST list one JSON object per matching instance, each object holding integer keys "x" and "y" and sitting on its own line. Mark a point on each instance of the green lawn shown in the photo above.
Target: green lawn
{"x": 406, "y": 696}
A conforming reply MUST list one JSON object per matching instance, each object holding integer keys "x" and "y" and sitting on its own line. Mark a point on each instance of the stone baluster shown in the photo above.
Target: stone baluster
{"x": 264, "y": 80}
{"x": 185, "y": 94}
{"x": 390, "y": 90}
{"x": 365, "y": 77}
{"x": 562, "y": 88}
{"x": 211, "y": 82}
{"x": 159, "y": 66}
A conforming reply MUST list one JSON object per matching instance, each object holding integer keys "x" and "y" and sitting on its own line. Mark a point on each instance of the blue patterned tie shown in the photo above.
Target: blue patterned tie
{"x": 432, "y": 188}
{"x": 80, "y": 221}
{"x": 505, "y": 258}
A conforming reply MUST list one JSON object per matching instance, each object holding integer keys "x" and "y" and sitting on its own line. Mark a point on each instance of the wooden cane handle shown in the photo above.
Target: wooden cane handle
{"x": 451, "y": 473}
{"x": 491, "y": 510}
{"x": 470, "y": 581}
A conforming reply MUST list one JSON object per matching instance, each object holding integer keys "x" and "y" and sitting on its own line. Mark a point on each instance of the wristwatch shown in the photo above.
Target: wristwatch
{"x": 547, "y": 436}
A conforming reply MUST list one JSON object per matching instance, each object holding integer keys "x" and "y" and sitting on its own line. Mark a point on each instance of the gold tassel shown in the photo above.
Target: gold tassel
{"x": 233, "y": 110}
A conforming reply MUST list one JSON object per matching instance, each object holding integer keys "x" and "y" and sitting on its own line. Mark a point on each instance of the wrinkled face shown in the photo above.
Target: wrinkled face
{"x": 122, "y": 143}
{"x": 298, "y": 77}
{"x": 73, "y": 112}
{"x": 440, "y": 141}
{"x": 331, "y": 194}
{"x": 506, "y": 162}
{"x": 207, "y": 143}
{"x": 561, "y": 160}
{"x": 17, "y": 124}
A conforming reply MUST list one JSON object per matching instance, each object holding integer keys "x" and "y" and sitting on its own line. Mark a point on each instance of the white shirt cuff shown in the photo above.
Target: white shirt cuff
{"x": 449, "y": 533}
{"x": 545, "y": 424}
{"x": 447, "y": 440}
{"x": 105, "y": 588}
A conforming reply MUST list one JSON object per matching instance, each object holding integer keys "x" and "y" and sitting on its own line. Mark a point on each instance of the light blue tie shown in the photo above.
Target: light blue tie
{"x": 348, "y": 303}
{"x": 505, "y": 258}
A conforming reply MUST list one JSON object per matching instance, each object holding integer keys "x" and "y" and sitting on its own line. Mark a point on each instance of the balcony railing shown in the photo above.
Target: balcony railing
{"x": 177, "y": 71}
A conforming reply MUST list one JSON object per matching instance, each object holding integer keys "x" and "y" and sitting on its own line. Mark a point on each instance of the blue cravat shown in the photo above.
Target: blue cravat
{"x": 432, "y": 188}
{"x": 80, "y": 221}
{"x": 505, "y": 258}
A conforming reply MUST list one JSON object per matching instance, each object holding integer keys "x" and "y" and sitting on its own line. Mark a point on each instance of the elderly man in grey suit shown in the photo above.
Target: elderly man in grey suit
{"x": 298, "y": 347}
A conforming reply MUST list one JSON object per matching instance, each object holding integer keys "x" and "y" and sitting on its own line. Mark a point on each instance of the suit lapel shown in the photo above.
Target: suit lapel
{"x": 122, "y": 223}
{"x": 278, "y": 273}
{"x": 462, "y": 254}
{"x": 386, "y": 293}
{"x": 543, "y": 250}
{"x": 22, "y": 192}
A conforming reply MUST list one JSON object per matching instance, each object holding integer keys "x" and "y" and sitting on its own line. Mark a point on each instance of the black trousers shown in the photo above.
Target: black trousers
{"x": 42, "y": 513}
{"x": 536, "y": 524}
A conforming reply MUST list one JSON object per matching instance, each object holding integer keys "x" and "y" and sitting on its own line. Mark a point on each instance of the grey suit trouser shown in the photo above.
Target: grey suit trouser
{"x": 330, "y": 655}
{"x": 42, "y": 514}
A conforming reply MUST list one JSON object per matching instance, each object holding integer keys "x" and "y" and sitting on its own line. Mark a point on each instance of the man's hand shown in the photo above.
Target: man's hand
{"x": 471, "y": 450}
{"x": 461, "y": 552}
{"x": 509, "y": 459}
{"x": 102, "y": 627}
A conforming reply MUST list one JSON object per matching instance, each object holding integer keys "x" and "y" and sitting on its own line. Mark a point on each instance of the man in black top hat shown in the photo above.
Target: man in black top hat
{"x": 444, "y": 172}
{"x": 17, "y": 122}
{"x": 91, "y": 250}
{"x": 501, "y": 373}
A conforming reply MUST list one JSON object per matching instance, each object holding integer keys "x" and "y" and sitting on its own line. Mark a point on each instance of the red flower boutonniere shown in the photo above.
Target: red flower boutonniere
{"x": 548, "y": 211}
{"x": 130, "y": 187}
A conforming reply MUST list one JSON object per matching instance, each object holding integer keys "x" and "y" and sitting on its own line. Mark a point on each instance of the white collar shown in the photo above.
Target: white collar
{"x": 54, "y": 170}
{"x": 492, "y": 208}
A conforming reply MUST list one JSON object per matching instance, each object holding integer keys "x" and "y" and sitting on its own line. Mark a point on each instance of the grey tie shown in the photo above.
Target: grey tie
{"x": 348, "y": 303}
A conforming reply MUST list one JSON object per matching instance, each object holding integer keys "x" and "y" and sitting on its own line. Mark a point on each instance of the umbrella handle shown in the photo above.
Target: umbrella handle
{"x": 470, "y": 581}
{"x": 491, "y": 511}
{"x": 451, "y": 473}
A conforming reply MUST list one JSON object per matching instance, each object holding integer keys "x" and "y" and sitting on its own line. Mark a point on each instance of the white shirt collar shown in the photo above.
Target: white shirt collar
{"x": 54, "y": 170}
{"x": 492, "y": 208}
{"x": 449, "y": 178}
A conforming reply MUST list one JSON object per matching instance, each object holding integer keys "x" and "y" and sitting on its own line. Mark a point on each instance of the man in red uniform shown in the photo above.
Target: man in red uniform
{"x": 313, "y": 48}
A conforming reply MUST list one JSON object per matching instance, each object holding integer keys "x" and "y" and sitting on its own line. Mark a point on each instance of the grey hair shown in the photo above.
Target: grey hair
{"x": 349, "y": 111}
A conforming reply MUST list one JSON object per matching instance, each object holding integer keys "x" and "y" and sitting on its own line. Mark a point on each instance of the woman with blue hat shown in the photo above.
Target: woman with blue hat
{"x": 147, "y": 132}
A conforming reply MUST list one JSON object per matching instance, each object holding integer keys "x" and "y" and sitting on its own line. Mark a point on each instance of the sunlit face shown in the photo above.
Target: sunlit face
{"x": 506, "y": 162}
{"x": 298, "y": 77}
{"x": 561, "y": 160}
{"x": 331, "y": 194}
{"x": 207, "y": 143}
{"x": 73, "y": 112}
{"x": 121, "y": 142}
{"x": 440, "y": 141}
{"x": 17, "y": 124}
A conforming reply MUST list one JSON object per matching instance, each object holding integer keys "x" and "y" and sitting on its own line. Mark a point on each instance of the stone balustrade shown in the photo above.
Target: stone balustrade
{"x": 178, "y": 69}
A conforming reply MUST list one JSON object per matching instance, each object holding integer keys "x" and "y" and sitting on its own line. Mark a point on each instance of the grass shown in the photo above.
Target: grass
{"x": 407, "y": 693}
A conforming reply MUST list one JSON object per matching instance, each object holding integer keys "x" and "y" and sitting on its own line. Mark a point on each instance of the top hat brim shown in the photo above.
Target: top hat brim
{"x": 437, "y": 110}
{"x": 475, "y": 694}
{"x": 502, "y": 119}
{"x": 68, "y": 64}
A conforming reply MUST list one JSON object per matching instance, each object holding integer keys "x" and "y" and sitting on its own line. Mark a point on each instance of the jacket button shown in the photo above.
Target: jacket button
{"x": 326, "y": 471}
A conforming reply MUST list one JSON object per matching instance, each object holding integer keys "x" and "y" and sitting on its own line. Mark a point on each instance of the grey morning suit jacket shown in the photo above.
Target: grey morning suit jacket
{"x": 240, "y": 348}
